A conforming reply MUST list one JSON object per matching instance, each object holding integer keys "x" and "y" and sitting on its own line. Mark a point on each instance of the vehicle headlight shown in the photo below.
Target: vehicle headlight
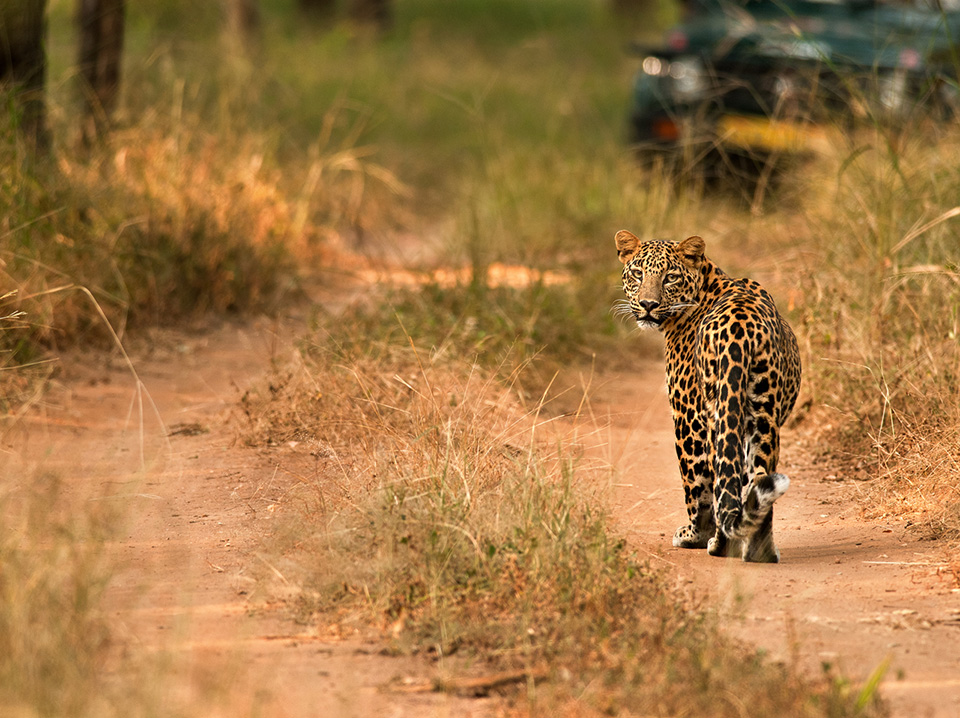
{"x": 688, "y": 79}
{"x": 685, "y": 77}
{"x": 655, "y": 66}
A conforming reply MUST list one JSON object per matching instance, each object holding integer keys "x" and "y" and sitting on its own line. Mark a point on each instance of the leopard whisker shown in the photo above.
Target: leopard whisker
{"x": 622, "y": 309}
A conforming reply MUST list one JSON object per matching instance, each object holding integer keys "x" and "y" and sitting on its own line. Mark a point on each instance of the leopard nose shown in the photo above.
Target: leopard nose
{"x": 648, "y": 304}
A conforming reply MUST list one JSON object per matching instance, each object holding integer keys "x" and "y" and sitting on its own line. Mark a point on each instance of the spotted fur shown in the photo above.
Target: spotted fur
{"x": 733, "y": 373}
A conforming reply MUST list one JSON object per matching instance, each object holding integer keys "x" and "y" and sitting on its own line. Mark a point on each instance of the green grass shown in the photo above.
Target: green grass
{"x": 484, "y": 147}
{"x": 544, "y": 328}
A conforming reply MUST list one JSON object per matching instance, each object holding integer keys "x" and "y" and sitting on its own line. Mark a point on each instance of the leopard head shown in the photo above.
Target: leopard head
{"x": 661, "y": 279}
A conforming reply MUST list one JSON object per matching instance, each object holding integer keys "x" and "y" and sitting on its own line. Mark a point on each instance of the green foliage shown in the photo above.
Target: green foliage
{"x": 500, "y": 327}
{"x": 523, "y": 163}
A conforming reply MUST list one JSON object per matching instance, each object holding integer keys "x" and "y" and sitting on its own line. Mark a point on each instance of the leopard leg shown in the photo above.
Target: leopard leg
{"x": 695, "y": 470}
{"x": 722, "y": 545}
{"x": 698, "y": 532}
{"x": 718, "y": 545}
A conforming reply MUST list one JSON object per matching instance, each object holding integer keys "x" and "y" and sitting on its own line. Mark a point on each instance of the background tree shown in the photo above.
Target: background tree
{"x": 23, "y": 65}
{"x": 101, "y": 49}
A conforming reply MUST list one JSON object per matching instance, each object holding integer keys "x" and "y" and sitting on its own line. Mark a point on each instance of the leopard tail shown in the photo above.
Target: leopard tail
{"x": 758, "y": 503}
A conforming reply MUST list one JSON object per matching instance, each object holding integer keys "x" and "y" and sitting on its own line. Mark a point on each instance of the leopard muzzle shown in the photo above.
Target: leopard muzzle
{"x": 644, "y": 313}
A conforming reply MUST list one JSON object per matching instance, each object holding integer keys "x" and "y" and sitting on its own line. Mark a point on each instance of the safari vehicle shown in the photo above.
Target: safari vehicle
{"x": 761, "y": 77}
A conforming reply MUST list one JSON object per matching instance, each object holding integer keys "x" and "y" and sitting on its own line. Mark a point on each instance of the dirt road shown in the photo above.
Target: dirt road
{"x": 197, "y": 503}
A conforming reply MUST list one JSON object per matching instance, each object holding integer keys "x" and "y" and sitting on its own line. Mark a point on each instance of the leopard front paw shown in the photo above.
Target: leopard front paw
{"x": 689, "y": 537}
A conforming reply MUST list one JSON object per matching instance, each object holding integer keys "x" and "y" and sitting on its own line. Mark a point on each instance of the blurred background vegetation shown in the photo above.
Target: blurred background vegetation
{"x": 237, "y": 155}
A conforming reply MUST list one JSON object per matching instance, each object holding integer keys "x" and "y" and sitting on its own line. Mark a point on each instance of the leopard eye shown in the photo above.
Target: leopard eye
{"x": 671, "y": 278}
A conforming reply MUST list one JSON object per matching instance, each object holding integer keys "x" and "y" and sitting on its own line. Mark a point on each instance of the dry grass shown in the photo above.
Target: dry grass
{"x": 21, "y": 374}
{"x": 909, "y": 344}
{"x": 918, "y": 481}
{"x": 452, "y": 519}
{"x": 166, "y": 221}
{"x": 874, "y": 284}
{"x": 53, "y": 638}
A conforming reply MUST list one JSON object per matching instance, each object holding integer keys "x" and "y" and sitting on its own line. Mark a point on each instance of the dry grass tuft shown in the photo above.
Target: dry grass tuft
{"x": 917, "y": 480}
{"x": 171, "y": 217}
{"x": 880, "y": 285}
{"x": 22, "y": 371}
{"x": 439, "y": 511}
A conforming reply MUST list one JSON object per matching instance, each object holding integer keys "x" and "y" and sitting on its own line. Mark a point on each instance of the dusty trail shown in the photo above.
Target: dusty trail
{"x": 195, "y": 511}
{"x": 849, "y": 592}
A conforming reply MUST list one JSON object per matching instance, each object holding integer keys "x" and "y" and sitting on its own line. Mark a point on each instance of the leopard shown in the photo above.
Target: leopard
{"x": 733, "y": 375}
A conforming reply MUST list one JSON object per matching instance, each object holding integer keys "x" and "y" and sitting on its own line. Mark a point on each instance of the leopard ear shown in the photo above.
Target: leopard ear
{"x": 692, "y": 249}
{"x": 627, "y": 245}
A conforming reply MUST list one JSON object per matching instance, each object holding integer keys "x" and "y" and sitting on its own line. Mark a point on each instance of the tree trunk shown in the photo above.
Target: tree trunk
{"x": 101, "y": 49}
{"x": 23, "y": 66}
{"x": 243, "y": 20}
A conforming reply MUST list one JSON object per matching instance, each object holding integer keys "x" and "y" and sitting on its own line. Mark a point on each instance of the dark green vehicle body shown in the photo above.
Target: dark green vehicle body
{"x": 769, "y": 75}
